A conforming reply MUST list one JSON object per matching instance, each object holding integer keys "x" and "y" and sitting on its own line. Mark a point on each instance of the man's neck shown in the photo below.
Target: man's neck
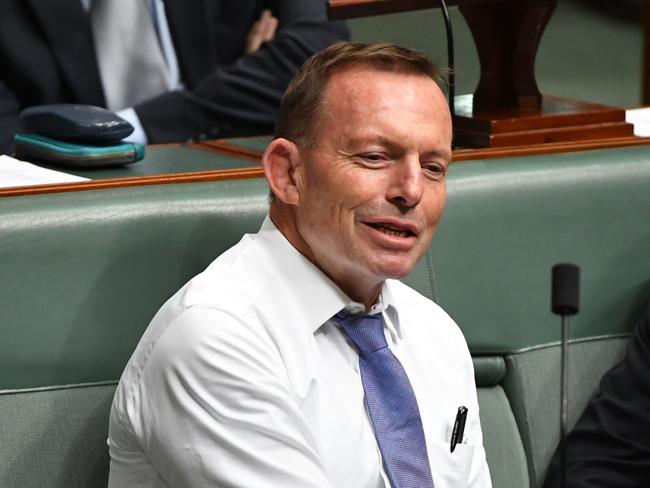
{"x": 285, "y": 222}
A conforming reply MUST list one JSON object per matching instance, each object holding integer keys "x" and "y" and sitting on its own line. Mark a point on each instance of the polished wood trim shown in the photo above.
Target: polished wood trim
{"x": 189, "y": 177}
{"x": 348, "y": 9}
{"x": 224, "y": 147}
{"x": 557, "y": 120}
{"x": 548, "y": 148}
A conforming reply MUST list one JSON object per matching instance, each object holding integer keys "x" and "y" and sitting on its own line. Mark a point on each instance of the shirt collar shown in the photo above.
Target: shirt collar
{"x": 385, "y": 304}
{"x": 314, "y": 298}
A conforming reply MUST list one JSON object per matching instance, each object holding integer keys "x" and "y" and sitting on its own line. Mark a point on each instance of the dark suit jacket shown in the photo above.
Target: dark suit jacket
{"x": 47, "y": 56}
{"x": 610, "y": 444}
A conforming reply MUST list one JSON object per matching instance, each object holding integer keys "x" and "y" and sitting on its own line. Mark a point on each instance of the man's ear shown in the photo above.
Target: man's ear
{"x": 281, "y": 164}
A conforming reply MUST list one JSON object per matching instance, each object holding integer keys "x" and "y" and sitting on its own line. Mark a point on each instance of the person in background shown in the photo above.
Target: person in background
{"x": 297, "y": 358}
{"x": 610, "y": 444}
{"x": 178, "y": 70}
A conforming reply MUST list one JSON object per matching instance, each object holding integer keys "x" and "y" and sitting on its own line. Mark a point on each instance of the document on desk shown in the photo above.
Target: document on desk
{"x": 14, "y": 172}
{"x": 640, "y": 117}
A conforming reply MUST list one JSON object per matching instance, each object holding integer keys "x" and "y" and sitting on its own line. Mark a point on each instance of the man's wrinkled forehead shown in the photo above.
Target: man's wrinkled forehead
{"x": 345, "y": 82}
{"x": 357, "y": 97}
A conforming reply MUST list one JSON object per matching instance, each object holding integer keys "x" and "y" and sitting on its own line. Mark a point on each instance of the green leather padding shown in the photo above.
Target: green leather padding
{"x": 55, "y": 438}
{"x": 83, "y": 273}
{"x": 508, "y": 221}
{"x": 503, "y": 447}
{"x": 489, "y": 370}
{"x": 532, "y": 385}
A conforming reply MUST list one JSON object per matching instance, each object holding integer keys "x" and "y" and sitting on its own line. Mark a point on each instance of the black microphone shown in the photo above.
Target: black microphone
{"x": 565, "y": 299}
{"x": 565, "y": 289}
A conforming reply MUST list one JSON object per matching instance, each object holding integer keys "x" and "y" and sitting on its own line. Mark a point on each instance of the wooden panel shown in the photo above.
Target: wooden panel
{"x": 558, "y": 120}
{"x": 163, "y": 164}
{"x": 555, "y": 112}
{"x": 465, "y": 154}
{"x": 545, "y": 136}
{"x": 348, "y": 9}
{"x": 194, "y": 177}
{"x": 243, "y": 151}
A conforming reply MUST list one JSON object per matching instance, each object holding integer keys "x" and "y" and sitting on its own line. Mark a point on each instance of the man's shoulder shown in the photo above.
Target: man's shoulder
{"x": 232, "y": 278}
{"x": 225, "y": 288}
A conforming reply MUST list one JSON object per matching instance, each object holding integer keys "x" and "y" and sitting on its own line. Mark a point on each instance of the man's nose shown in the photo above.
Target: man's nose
{"x": 406, "y": 184}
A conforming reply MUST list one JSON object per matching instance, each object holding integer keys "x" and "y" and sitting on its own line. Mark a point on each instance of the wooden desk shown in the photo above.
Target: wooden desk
{"x": 163, "y": 164}
{"x": 237, "y": 158}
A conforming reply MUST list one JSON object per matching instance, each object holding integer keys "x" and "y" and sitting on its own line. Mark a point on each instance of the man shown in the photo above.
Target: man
{"x": 610, "y": 444}
{"x": 226, "y": 83}
{"x": 256, "y": 372}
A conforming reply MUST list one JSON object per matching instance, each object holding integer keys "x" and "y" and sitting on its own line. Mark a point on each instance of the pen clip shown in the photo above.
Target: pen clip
{"x": 459, "y": 428}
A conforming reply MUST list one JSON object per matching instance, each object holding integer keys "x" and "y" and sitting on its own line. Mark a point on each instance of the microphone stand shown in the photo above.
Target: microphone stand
{"x": 564, "y": 398}
{"x": 564, "y": 302}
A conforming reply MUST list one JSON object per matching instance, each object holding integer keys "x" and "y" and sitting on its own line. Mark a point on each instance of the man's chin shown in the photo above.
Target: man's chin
{"x": 396, "y": 270}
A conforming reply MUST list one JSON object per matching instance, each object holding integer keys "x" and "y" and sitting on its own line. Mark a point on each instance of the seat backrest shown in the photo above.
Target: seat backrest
{"x": 55, "y": 437}
{"x": 501, "y": 436}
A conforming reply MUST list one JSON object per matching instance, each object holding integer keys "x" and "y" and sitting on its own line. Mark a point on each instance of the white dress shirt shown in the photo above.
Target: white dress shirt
{"x": 242, "y": 380}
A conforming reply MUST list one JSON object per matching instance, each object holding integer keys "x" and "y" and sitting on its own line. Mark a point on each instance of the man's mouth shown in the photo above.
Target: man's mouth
{"x": 392, "y": 230}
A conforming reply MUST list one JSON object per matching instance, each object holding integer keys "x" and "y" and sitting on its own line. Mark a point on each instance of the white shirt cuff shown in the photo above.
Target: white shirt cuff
{"x": 131, "y": 117}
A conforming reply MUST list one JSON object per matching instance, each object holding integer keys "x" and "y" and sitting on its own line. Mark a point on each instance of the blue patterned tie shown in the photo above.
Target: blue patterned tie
{"x": 391, "y": 403}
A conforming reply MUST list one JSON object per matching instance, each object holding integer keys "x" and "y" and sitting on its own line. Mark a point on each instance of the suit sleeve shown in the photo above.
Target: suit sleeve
{"x": 242, "y": 98}
{"x": 610, "y": 444}
{"x": 10, "y": 123}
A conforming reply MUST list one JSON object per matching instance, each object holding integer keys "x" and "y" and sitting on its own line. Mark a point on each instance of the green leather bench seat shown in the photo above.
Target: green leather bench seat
{"x": 55, "y": 437}
{"x": 501, "y": 435}
{"x": 506, "y": 223}
{"x": 83, "y": 273}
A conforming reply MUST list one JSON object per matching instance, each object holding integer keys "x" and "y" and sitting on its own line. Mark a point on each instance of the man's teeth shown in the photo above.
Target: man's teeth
{"x": 392, "y": 232}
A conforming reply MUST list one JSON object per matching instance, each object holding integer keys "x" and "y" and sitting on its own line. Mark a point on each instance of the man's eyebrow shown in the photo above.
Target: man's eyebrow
{"x": 372, "y": 139}
{"x": 355, "y": 141}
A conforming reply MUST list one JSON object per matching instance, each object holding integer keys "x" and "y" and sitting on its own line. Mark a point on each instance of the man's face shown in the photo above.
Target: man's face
{"x": 373, "y": 189}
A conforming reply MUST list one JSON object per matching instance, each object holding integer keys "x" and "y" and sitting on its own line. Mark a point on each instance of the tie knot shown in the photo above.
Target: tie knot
{"x": 366, "y": 331}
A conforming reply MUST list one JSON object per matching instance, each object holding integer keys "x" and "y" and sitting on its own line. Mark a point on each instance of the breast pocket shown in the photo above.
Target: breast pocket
{"x": 450, "y": 469}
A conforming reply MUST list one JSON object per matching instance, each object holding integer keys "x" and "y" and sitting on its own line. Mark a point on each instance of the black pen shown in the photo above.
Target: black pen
{"x": 459, "y": 428}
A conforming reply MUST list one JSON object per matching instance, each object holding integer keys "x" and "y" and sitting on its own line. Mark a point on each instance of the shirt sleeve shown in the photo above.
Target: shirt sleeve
{"x": 131, "y": 117}
{"x": 213, "y": 407}
{"x": 10, "y": 123}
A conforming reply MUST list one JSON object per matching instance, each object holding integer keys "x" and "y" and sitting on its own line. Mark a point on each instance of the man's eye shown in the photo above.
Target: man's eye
{"x": 375, "y": 157}
{"x": 435, "y": 170}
